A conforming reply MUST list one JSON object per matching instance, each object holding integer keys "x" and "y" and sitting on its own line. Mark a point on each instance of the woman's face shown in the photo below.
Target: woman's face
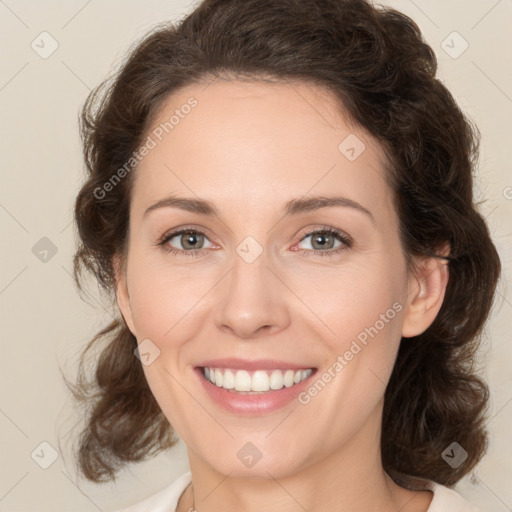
{"x": 266, "y": 281}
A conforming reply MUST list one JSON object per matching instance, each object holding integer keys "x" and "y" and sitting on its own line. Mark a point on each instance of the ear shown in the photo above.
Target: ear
{"x": 122, "y": 295}
{"x": 426, "y": 292}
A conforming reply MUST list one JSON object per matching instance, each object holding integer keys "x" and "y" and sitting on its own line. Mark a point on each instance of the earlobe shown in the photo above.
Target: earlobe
{"x": 122, "y": 295}
{"x": 426, "y": 293}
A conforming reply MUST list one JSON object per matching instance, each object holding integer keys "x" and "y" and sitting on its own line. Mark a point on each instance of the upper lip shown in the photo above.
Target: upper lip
{"x": 251, "y": 365}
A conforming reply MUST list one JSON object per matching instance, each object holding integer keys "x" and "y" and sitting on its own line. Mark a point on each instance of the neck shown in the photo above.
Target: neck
{"x": 351, "y": 478}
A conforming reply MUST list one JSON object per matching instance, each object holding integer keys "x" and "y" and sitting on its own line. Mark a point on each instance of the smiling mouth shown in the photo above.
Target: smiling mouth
{"x": 255, "y": 382}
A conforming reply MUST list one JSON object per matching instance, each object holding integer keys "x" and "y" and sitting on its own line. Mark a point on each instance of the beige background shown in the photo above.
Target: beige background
{"x": 45, "y": 323}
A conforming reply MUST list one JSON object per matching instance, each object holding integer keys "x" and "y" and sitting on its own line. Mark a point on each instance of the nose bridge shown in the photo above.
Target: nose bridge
{"x": 250, "y": 263}
{"x": 253, "y": 296}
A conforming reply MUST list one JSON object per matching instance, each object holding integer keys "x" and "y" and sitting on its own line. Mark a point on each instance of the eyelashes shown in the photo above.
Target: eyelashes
{"x": 324, "y": 232}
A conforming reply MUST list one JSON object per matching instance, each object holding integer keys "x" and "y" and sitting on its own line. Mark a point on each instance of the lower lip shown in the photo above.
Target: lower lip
{"x": 252, "y": 404}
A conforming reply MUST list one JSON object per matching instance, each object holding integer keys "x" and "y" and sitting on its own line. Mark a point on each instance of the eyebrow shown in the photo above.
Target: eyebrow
{"x": 292, "y": 207}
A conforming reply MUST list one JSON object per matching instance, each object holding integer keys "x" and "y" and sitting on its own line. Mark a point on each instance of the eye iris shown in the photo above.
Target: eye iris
{"x": 320, "y": 237}
{"x": 190, "y": 237}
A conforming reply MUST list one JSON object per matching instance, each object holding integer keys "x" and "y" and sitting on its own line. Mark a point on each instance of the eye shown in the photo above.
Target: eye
{"x": 191, "y": 240}
{"x": 325, "y": 238}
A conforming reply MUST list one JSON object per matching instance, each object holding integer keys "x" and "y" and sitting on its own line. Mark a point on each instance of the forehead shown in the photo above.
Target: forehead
{"x": 256, "y": 144}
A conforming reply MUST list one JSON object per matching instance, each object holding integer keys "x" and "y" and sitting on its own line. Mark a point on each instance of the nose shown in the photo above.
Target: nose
{"x": 252, "y": 300}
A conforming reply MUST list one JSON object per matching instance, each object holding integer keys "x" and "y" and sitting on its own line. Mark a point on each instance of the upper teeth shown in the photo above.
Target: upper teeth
{"x": 260, "y": 380}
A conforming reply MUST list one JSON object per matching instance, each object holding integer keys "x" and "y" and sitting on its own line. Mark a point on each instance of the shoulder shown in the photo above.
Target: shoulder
{"x": 448, "y": 500}
{"x": 165, "y": 500}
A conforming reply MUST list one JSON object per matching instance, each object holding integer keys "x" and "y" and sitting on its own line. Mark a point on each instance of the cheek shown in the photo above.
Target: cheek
{"x": 351, "y": 299}
{"x": 361, "y": 312}
{"x": 163, "y": 299}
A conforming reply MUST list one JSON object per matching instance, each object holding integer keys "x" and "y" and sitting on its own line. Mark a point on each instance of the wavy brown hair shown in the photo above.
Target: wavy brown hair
{"x": 377, "y": 64}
